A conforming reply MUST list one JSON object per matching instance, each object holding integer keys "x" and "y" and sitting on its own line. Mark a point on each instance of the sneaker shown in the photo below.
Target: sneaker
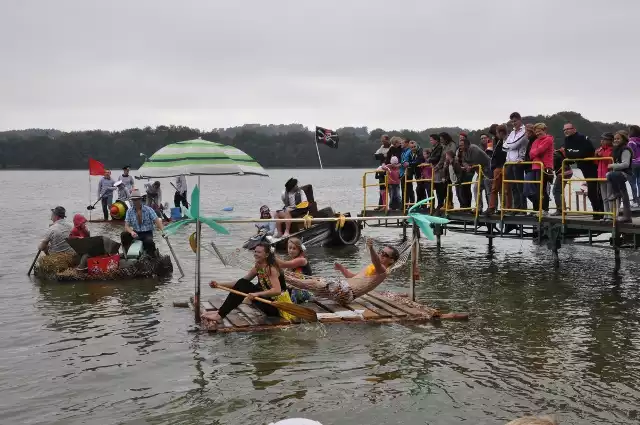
{"x": 545, "y": 213}
{"x": 556, "y": 213}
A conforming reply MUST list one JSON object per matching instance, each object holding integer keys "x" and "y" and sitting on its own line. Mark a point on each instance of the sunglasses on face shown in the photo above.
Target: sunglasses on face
{"x": 384, "y": 253}
{"x": 568, "y": 129}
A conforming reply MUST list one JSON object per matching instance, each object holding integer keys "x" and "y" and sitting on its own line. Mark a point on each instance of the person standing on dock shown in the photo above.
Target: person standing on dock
{"x": 465, "y": 176}
{"x": 414, "y": 172}
{"x": 381, "y": 155}
{"x": 105, "y": 193}
{"x": 439, "y": 180}
{"x": 542, "y": 151}
{"x": 471, "y": 156}
{"x": 448, "y": 145}
{"x": 516, "y": 148}
{"x": 634, "y": 144}
{"x": 498, "y": 159}
{"x": 604, "y": 151}
{"x": 408, "y": 196}
{"x": 578, "y": 146}
{"x": 530, "y": 189}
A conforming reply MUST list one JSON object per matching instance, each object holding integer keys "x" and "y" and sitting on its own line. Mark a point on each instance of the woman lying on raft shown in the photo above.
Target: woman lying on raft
{"x": 353, "y": 285}
{"x": 270, "y": 285}
{"x": 299, "y": 264}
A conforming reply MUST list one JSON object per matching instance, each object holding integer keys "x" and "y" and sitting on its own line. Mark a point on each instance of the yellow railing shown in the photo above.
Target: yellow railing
{"x": 478, "y": 192}
{"x": 408, "y": 205}
{"x": 505, "y": 181}
{"x": 366, "y": 185}
{"x": 614, "y": 204}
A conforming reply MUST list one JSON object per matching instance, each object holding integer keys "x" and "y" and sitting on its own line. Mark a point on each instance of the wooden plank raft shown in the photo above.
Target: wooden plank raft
{"x": 375, "y": 307}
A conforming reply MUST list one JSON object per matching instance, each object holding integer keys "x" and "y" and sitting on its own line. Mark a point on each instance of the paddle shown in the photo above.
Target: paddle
{"x": 34, "y": 262}
{"x": 296, "y": 310}
{"x": 93, "y": 207}
{"x": 166, "y": 238}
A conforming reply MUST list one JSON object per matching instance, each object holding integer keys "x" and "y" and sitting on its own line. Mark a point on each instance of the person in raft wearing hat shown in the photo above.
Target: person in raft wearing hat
{"x": 139, "y": 223}
{"x": 291, "y": 197}
{"x": 55, "y": 239}
{"x": 127, "y": 186}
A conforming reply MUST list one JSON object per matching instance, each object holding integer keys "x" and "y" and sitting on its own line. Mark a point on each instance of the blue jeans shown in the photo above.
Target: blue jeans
{"x": 634, "y": 181}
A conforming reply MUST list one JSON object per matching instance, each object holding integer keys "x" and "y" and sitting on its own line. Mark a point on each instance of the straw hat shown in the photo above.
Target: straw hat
{"x": 135, "y": 194}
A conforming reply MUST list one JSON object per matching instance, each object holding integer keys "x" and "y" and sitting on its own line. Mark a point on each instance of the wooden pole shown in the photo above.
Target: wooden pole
{"x": 196, "y": 298}
{"x": 415, "y": 254}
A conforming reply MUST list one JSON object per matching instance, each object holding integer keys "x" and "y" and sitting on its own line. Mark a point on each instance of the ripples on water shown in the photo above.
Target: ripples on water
{"x": 539, "y": 341}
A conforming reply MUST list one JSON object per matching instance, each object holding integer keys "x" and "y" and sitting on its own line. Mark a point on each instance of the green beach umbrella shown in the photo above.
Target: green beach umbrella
{"x": 199, "y": 158}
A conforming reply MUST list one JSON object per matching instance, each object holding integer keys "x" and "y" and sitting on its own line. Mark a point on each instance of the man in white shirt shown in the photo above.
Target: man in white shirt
{"x": 181, "y": 191}
{"x": 292, "y": 198}
{"x": 516, "y": 148}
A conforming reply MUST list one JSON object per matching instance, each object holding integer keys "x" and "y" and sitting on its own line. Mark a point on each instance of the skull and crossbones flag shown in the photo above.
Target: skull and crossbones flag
{"x": 327, "y": 137}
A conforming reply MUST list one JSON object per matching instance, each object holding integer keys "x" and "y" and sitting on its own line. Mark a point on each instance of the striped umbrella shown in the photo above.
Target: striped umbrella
{"x": 199, "y": 158}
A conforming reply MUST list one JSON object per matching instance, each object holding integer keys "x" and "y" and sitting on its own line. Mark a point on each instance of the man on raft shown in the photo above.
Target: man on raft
{"x": 352, "y": 285}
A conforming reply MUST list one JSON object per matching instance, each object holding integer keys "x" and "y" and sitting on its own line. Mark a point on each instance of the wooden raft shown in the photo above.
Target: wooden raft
{"x": 374, "y": 307}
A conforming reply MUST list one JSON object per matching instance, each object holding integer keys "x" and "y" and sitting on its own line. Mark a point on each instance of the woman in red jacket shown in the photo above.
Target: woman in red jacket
{"x": 542, "y": 151}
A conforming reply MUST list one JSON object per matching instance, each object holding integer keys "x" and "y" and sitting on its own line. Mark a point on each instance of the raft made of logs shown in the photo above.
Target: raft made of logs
{"x": 375, "y": 307}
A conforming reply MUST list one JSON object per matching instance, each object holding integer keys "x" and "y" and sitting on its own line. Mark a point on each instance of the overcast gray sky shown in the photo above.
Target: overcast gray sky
{"x": 82, "y": 64}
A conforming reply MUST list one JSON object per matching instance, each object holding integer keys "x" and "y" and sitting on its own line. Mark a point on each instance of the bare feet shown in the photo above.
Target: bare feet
{"x": 212, "y": 316}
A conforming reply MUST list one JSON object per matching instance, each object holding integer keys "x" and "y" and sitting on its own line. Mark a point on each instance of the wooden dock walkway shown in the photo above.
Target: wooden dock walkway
{"x": 374, "y": 307}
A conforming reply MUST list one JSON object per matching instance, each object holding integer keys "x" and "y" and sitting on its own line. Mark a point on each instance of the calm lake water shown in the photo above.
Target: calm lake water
{"x": 539, "y": 340}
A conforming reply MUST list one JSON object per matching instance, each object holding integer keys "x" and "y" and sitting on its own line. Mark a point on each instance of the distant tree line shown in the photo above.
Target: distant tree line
{"x": 273, "y": 146}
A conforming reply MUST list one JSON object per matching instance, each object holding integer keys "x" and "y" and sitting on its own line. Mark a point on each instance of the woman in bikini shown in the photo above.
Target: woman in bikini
{"x": 352, "y": 285}
{"x": 270, "y": 284}
{"x": 298, "y": 264}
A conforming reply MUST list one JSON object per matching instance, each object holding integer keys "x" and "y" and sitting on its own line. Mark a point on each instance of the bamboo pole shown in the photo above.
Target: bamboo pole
{"x": 302, "y": 220}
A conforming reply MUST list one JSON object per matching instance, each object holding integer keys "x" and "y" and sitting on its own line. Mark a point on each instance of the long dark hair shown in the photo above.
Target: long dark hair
{"x": 446, "y": 136}
{"x": 634, "y": 131}
{"x": 271, "y": 257}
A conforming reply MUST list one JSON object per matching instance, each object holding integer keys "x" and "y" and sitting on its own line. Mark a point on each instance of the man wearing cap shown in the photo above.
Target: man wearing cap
{"x": 139, "y": 223}
{"x": 55, "y": 239}
{"x": 516, "y": 148}
{"x": 127, "y": 186}
{"x": 292, "y": 197}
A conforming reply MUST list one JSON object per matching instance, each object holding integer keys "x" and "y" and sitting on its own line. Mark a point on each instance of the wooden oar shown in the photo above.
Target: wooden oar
{"x": 34, "y": 262}
{"x": 296, "y": 310}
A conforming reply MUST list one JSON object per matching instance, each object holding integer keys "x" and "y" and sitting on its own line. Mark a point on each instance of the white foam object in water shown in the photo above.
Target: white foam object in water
{"x": 296, "y": 421}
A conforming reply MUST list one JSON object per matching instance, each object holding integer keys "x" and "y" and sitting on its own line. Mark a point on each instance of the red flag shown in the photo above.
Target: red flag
{"x": 96, "y": 168}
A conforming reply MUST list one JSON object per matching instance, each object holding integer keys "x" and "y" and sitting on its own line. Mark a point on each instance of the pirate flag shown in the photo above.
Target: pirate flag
{"x": 327, "y": 137}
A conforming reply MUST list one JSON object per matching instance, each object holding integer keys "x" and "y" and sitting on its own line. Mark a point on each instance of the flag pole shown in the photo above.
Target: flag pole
{"x": 318, "y": 150}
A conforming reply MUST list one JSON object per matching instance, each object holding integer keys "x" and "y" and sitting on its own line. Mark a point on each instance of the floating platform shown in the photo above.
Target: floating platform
{"x": 374, "y": 307}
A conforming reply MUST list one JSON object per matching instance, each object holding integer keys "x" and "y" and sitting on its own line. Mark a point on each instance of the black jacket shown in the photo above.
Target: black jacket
{"x": 394, "y": 151}
{"x": 499, "y": 156}
{"x": 578, "y": 146}
{"x": 527, "y": 157}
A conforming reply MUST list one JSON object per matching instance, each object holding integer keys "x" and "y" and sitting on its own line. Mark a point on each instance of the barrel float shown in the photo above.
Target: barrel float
{"x": 118, "y": 210}
{"x": 347, "y": 234}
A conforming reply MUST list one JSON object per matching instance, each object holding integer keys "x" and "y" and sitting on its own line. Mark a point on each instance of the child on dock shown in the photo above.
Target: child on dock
{"x": 393, "y": 181}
